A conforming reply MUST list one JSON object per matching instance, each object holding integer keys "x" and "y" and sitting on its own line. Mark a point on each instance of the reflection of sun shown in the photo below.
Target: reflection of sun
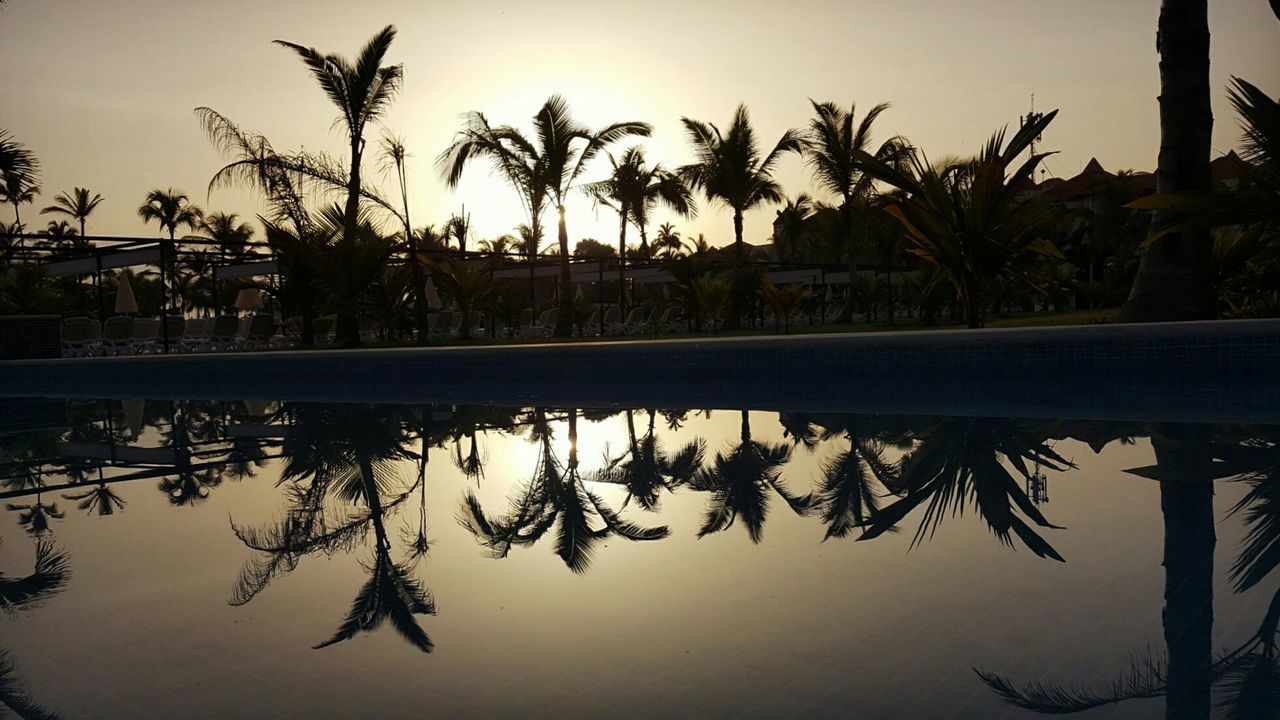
{"x": 595, "y": 440}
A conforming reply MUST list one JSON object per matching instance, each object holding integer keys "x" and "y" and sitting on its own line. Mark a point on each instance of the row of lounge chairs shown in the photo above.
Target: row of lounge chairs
{"x": 122, "y": 335}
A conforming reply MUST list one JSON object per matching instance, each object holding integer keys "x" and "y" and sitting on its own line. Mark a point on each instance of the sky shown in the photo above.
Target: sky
{"x": 103, "y": 90}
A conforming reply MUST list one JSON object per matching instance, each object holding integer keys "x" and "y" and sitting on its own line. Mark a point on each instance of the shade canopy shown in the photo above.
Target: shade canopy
{"x": 249, "y": 299}
{"x": 125, "y": 301}
{"x": 433, "y": 296}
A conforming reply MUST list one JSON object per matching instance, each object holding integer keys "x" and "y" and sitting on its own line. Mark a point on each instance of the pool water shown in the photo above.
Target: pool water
{"x": 268, "y": 559}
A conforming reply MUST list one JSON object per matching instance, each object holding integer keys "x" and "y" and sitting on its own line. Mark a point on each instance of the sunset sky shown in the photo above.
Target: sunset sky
{"x": 103, "y": 90}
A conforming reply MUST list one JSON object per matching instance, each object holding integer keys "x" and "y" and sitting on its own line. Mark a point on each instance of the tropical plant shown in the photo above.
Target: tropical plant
{"x": 790, "y": 228}
{"x": 170, "y": 209}
{"x": 49, "y": 576}
{"x": 543, "y": 172}
{"x": 711, "y": 298}
{"x": 77, "y": 205}
{"x": 667, "y": 243}
{"x": 470, "y": 287}
{"x": 833, "y": 147}
{"x": 231, "y": 235}
{"x": 970, "y": 218}
{"x": 362, "y": 90}
{"x": 783, "y": 302}
{"x": 740, "y": 480}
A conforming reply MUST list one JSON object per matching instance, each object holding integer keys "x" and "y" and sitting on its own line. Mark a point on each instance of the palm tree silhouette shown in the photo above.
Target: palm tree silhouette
{"x": 556, "y": 497}
{"x": 668, "y": 243}
{"x": 645, "y": 469}
{"x": 854, "y": 480}
{"x": 632, "y": 190}
{"x": 739, "y": 480}
{"x": 543, "y": 172}
{"x": 19, "y": 174}
{"x": 730, "y": 170}
{"x": 226, "y": 229}
{"x": 77, "y": 205}
{"x": 362, "y": 90}
{"x": 395, "y": 156}
{"x": 958, "y": 460}
{"x": 13, "y": 696}
{"x": 831, "y": 147}
{"x": 100, "y": 499}
{"x": 169, "y": 209}
{"x": 971, "y": 218}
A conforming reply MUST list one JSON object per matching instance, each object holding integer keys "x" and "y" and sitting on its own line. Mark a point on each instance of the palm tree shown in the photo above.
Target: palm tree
{"x": 395, "y": 155}
{"x": 632, "y": 190}
{"x": 543, "y": 172}
{"x": 730, "y": 170}
{"x": 739, "y": 480}
{"x": 458, "y": 228}
{"x": 470, "y": 287}
{"x": 1174, "y": 280}
{"x": 970, "y": 217}
{"x": 783, "y": 301}
{"x": 556, "y": 497}
{"x": 77, "y": 205}
{"x": 832, "y": 147}
{"x": 362, "y": 91}
{"x": 226, "y": 229}
{"x": 169, "y": 209}
{"x": 668, "y": 243}
{"x": 19, "y": 174}
{"x": 49, "y": 576}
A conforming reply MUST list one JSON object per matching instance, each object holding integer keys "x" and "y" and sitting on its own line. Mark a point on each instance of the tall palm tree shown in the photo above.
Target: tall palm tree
{"x": 459, "y": 228}
{"x": 730, "y": 170}
{"x": 632, "y": 190}
{"x": 668, "y": 242}
{"x": 1174, "y": 280}
{"x": 77, "y": 204}
{"x": 832, "y": 146}
{"x": 395, "y": 156}
{"x": 739, "y": 480}
{"x": 545, "y": 171}
{"x": 170, "y": 209}
{"x": 362, "y": 90}
{"x": 790, "y": 230}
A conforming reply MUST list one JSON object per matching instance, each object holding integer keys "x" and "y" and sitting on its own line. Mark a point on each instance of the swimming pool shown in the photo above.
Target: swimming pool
{"x": 298, "y": 559}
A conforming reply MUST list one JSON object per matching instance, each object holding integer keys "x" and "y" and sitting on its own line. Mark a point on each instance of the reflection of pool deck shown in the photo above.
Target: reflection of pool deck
{"x": 1220, "y": 371}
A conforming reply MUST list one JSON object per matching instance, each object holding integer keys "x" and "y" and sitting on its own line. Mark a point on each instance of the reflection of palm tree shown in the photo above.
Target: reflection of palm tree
{"x": 1246, "y": 679}
{"x": 35, "y": 518}
{"x": 556, "y": 497}
{"x": 958, "y": 460}
{"x": 100, "y": 499}
{"x": 342, "y": 455}
{"x": 14, "y": 697}
{"x": 739, "y": 481}
{"x": 646, "y": 469}
{"x": 848, "y": 495}
{"x": 50, "y": 574}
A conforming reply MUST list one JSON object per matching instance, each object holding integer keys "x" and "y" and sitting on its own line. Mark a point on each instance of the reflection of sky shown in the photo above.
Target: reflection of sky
{"x": 678, "y": 627}
{"x": 102, "y": 90}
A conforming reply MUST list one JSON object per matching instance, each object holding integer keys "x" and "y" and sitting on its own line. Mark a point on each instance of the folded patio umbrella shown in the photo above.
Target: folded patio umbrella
{"x": 433, "y": 296}
{"x": 125, "y": 301}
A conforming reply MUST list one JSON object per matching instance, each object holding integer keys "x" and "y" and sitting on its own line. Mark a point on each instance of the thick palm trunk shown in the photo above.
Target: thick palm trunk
{"x": 1186, "y": 501}
{"x": 564, "y": 323}
{"x": 347, "y": 332}
{"x": 1174, "y": 280}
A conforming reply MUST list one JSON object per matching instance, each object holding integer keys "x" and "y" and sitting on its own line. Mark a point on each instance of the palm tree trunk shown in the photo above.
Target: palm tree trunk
{"x": 733, "y": 316}
{"x": 348, "y": 329}
{"x": 622, "y": 261}
{"x": 846, "y": 212}
{"x": 1174, "y": 280}
{"x": 81, "y": 227}
{"x": 564, "y": 323}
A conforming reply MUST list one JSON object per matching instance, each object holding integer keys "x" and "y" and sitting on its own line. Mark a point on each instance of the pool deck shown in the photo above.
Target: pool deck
{"x": 1217, "y": 371}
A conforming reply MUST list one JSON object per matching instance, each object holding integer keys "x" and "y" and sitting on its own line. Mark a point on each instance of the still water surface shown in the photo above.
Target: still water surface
{"x": 273, "y": 559}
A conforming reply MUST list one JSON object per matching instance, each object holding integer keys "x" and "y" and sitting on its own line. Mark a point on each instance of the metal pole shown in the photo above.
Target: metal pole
{"x": 600, "y": 285}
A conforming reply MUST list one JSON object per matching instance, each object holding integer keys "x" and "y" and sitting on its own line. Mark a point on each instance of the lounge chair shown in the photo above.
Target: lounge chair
{"x": 117, "y": 335}
{"x": 176, "y": 328}
{"x": 612, "y": 324}
{"x": 323, "y": 328}
{"x": 635, "y": 321}
{"x": 195, "y": 334}
{"x": 262, "y": 329}
{"x": 75, "y": 336}
{"x": 225, "y": 332}
{"x": 146, "y": 334}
